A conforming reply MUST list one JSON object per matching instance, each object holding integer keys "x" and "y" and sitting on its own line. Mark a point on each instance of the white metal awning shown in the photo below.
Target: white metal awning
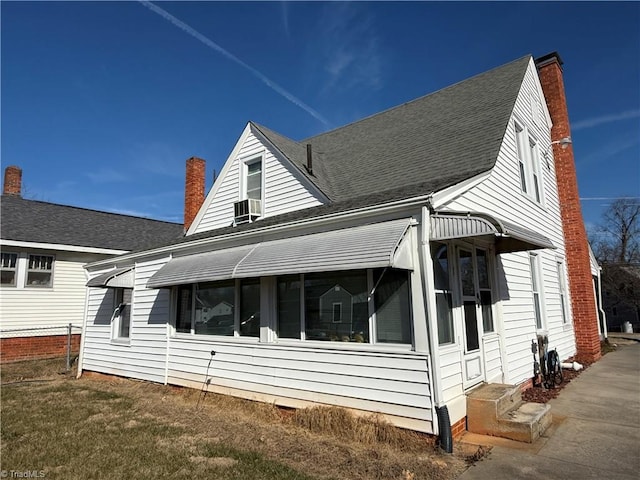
{"x": 382, "y": 244}
{"x": 509, "y": 237}
{"x": 118, "y": 277}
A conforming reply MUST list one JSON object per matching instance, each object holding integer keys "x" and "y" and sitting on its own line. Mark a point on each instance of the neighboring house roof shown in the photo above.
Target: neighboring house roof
{"x": 42, "y": 222}
{"x": 435, "y": 141}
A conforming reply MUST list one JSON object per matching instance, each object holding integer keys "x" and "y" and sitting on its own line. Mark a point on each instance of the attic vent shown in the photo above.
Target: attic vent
{"x": 247, "y": 210}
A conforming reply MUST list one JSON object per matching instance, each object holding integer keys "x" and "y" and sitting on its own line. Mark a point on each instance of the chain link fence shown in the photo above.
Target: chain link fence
{"x": 37, "y": 343}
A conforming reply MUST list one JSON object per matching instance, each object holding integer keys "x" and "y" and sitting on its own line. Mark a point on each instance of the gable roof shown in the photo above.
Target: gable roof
{"x": 43, "y": 222}
{"x": 437, "y": 140}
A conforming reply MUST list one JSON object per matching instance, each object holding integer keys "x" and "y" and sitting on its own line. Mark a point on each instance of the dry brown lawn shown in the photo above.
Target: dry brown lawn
{"x": 109, "y": 427}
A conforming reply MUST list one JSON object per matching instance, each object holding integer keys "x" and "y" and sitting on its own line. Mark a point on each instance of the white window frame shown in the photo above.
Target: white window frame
{"x": 29, "y": 270}
{"x": 562, "y": 291}
{"x": 537, "y": 291}
{"x": 244, "y": 173}
{"x": 116, "y": 318}
{"x": 449, "y": 292}
{"x": 237, "y": 298}
{"x": 8, "y": 268}
{"x": 273, "y": 322}
{"x": 529, "y": 172}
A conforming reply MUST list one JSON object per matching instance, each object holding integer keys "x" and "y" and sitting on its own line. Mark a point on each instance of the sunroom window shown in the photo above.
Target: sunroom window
{"x": 361, "y": 306}
{"x": 210, "y": 308}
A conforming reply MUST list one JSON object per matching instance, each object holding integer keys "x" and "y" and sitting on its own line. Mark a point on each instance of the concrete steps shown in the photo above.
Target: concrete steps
{"x": 497, "y": 409}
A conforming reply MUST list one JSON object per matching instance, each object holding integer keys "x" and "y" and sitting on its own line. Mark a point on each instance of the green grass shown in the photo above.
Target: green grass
{"x": 72, "y": 431}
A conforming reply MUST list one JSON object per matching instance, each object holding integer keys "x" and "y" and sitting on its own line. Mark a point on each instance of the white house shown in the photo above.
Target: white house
{"x": 44, "y": 247}
{"x": 391, "y": 265}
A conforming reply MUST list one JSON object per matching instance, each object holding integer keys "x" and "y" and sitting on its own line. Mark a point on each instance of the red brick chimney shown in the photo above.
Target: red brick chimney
{"x": 193, "y": 189}
{"x": 12, "y": 181}
{"x": 583, "y": 306}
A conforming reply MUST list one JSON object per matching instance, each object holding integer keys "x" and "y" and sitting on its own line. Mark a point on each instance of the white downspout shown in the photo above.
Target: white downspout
{"x": 432, "y": 313}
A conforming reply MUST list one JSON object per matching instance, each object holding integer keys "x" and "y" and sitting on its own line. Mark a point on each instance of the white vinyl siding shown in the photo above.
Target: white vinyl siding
{"x": 285, "y": 189}
{"x": 500, "y": 195}
{"x": 26, "y": 308}
{"x": 395, "y": 385}
{"x": 144, "y": 356}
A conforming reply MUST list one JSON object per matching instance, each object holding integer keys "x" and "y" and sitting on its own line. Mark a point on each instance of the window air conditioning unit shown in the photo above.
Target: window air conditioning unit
{"x": 247, "y": 210}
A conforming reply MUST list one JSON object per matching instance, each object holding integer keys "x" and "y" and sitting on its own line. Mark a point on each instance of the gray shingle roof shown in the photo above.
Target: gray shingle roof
{"x": 417, "y": 148}
{"x": 42, "y": 222}
{"x": 439, "y": 139}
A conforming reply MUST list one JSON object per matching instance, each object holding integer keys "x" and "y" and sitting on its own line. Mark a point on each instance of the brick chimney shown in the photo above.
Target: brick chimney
{"x": 12, "y": 181}
{"x": 193, "y": 189}
{"x": 583, "y": 306}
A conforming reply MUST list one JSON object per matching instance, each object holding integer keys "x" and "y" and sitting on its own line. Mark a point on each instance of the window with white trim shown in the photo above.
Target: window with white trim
{"x": 444, "y": 299}
{"x": 253, "y": 179}
{"x": 562, "y": 288}
{"x": 121, "y": 319}
{"x": 528, "y": 163}
{"x": 536, "y": 289}
{"x": 40, "y": 271}
{"x": 362, "y": 306}
{"x": 8, "y": 269}
{"x": 209, "y": 308}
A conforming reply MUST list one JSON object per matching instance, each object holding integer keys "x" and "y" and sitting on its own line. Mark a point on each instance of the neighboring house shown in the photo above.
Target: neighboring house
{"x": 44, "y": 247}
{"x": 621, "y": 297}
{"x": 596, "y": 274}
{"x": 387, "y": 266}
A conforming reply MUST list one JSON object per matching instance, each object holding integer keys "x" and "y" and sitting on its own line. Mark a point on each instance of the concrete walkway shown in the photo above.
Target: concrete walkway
{"x": 595, "y": 432}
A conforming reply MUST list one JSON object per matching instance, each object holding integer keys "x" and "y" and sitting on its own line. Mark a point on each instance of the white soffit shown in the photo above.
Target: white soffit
{"x": 368, "y": 246}
{"x": 116, "y": 278}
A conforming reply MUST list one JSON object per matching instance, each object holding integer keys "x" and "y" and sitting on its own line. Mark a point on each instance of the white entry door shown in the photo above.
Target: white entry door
{"x": 472, "y": 325}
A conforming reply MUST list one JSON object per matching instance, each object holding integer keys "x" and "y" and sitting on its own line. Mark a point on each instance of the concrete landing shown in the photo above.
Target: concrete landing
{"x": 498, "y": 410}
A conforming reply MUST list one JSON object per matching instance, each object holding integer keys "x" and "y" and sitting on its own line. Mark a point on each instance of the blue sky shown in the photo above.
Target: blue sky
{"x": 102, "y": 102}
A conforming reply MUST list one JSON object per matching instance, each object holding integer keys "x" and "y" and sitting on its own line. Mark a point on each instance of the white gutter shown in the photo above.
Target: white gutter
{"x": 432, "y": 314}
{"x": 321, "y": 220}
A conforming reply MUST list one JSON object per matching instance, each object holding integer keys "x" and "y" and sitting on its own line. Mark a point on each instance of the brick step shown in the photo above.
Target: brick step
{"x": 497, "y": 409}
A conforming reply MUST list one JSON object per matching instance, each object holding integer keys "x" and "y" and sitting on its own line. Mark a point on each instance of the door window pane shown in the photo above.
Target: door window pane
{"x": 471, "y": 326}
{"x": 466, "y": 274}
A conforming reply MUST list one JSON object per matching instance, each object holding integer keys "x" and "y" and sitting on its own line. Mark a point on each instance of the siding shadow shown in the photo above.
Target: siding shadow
{"x": 501, "y": 280}
{"x": 105, "y": 310}
{"x": 160, "y": 313}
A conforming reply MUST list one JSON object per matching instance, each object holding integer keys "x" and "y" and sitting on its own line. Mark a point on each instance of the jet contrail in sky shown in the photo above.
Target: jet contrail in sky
{"x": 214, "y": 46}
